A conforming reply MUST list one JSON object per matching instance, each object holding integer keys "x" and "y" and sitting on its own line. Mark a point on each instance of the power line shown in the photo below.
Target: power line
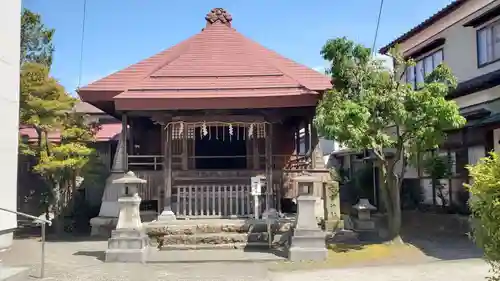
{"x": 378, "y": 25}
{"x": 82, "y": 42}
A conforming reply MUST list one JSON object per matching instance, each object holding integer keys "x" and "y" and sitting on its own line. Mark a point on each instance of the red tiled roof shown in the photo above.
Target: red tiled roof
{"x": 212, "y": 63}
{"x": 106, "y": 133}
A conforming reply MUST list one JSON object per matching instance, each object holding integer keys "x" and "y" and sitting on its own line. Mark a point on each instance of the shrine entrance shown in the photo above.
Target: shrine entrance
{"x": 220, "y": 149}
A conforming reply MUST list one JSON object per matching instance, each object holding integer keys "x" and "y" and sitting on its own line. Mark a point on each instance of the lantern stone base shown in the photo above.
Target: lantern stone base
{"x": 127, "y": 246}
{"x": 308, "y": 241}
{"x": 363, "y": 225}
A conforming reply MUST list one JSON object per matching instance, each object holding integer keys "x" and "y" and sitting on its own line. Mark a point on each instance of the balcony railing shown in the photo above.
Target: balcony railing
{"x": 155, "y": 162}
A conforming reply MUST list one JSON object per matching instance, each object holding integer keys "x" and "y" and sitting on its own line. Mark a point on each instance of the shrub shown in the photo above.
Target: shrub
{"x": 485, "y": 209}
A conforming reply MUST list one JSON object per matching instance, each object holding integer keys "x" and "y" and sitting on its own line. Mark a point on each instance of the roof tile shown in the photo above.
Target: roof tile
{"x": 218, "y": 57}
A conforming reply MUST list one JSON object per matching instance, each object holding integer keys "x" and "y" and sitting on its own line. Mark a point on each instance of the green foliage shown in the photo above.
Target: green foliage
{"x": 46, "y": 107}
{"x": 36, "y": 39}
{"x": 485, "y": 207}
{"x": 372, "y": 107}
{"x": 43, "y": 102}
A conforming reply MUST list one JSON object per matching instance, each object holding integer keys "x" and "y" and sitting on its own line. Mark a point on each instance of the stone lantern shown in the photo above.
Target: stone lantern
{"x": 308, "y": 241}
{"x": 128, "y": 242}
{"x": 364, "y": 209}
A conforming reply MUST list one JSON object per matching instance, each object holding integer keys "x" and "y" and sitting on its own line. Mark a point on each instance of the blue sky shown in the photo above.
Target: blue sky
{"x": 121, "y": 32}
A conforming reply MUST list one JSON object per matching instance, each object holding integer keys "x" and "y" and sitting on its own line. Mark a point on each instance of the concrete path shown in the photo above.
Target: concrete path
{"x": 461, "y": 270}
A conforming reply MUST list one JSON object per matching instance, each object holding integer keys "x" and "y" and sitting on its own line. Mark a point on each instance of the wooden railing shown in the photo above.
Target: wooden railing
{"x": 217, "y": 201}
{"x": 145, "y": 162}
{"x": 155, "y": 162}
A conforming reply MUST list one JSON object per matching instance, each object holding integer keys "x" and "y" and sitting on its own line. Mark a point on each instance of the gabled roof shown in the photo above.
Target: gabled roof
{"x": 218, "y": 62}
{"x": 425, "y": 24}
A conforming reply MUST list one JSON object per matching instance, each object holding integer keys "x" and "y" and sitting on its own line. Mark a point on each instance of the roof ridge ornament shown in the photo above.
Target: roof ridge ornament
{"x": 218, "y": 15}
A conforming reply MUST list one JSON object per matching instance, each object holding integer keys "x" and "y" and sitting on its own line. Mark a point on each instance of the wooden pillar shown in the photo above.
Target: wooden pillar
{"x": 269, "y": 165}
{"x": 184, "y": 149}
{"x": 314, "y": 144}
{"x": 124, "y": 138}
{"x": 255, "y": 151}
{"x": 307, "y": 137}
{"x": 297, "y": 140}
{"x": 131, "y": 137}
{"x": 167, "y": 213}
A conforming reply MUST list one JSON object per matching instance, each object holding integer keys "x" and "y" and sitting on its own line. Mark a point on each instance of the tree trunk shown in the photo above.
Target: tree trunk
{"x": 394, "y": 217}
{"x": 58, "y": 216}
{"x": 392, "y": 202}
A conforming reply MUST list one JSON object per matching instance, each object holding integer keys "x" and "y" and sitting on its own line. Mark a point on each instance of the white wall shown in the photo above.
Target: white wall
{"x": 10, "y": 24}
{"x": 460, "y": 48}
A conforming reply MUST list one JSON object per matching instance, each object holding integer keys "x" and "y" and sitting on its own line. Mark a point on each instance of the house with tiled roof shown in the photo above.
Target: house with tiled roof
{"x": 465, "y": 35}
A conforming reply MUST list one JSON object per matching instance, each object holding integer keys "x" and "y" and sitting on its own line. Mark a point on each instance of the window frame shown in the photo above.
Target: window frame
{"x": 490, "y": 25}
{"x": 422, "y": 60}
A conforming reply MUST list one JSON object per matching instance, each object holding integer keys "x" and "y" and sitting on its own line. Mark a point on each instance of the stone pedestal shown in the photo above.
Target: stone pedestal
{"x": 127, "y": 246}
{"x": 308, "y": 241}
{"x": 128, "y": 243}
{"x": 167, "y": 215}
{"x": 103, "y": 224}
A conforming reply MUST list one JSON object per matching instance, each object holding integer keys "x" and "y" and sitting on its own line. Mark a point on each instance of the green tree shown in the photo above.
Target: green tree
{"x": 485, "y": 207}
{"x": 371, "y": 107}
{"x": 36, "y": 39}
{"x": 46, "y": 107}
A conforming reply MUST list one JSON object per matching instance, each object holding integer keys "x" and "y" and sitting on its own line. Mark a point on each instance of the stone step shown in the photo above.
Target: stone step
{"x": 218, "y": 239}
{"x": 191, "y": 227}
{"x": 230, "y": 246}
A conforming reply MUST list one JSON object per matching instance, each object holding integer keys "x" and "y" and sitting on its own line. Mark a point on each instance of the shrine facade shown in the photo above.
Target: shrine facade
{"x": 202, "y": 117}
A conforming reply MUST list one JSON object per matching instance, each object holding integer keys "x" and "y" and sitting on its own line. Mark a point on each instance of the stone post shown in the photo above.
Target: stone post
{"x": 128, "y": 242}
{"x": 108, "y": 213}
{"x": 308, "y": 241}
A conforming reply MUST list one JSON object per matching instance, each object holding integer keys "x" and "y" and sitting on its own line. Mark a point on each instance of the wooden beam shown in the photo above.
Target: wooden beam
{"x": 219, "y": 118}
{"x": 297, "y": 140}
{"x": 167, "y": 170}
{"x": 124, "y": 139}
{"x": 307, "y": 136}
{"x": 255, "y": 151}
{"x": 184, "y": 149}
{"x": 269, "y": 164}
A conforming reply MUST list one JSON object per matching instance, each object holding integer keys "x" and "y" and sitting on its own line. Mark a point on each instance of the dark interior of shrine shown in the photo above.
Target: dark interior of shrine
{"x": 219, "y": 149}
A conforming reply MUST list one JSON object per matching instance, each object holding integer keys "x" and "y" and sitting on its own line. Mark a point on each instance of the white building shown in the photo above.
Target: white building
{"x": 10, "y": 25}
{"x": 465, "y": 35}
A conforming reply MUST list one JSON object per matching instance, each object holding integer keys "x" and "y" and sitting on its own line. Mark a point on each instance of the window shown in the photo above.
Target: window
{"x": 415, "y": 75}
{"x": 488, "y": 44}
